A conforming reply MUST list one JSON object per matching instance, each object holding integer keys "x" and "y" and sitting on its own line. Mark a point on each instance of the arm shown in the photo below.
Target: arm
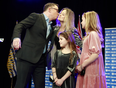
{"x": 24, "y": 24}
{"x": 53, "y": 65}
{"x": 77, "y": 39}
{"x": 94, "y": 50}
{"x": 66, "y": 75}
{"x": 54, "y": 73}
{"x": 59, "y": 82}
{"x": 91, "y": 59}
{"x": 71, "y": 69}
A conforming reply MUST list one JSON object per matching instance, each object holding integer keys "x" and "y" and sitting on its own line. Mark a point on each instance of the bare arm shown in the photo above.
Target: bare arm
{"x": 66, "y": 75}
{"x": 54, "y": 73}
{"x": 59, "y": 82}
{"x": 91, "y": 59}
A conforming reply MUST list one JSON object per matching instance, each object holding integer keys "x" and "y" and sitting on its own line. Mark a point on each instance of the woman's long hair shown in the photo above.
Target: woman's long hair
{"x": 93, "y": 24}
{"x": 69, "y": 21}
{"x": 71, "y": 41}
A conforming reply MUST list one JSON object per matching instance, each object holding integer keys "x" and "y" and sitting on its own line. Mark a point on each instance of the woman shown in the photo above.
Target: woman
{"x": 91, "y": 57}
{"x": 65, "y": 22}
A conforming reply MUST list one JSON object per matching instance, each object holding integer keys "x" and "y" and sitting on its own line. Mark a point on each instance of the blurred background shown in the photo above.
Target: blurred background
{"x": 16, "y": 10}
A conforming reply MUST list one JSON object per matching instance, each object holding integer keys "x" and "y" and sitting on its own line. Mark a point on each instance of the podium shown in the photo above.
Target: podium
{"x": 110, "y": 57}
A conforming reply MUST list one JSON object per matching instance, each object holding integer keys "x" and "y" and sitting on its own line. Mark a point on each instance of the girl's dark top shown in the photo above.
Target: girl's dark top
{"x": 62, "y": 64}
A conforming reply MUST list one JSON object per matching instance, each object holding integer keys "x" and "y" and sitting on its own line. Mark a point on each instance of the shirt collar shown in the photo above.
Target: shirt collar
{"x": 47, "y": 19}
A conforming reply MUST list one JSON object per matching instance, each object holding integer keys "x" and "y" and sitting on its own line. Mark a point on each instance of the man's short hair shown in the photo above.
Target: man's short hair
{"x": 46, "y": 6}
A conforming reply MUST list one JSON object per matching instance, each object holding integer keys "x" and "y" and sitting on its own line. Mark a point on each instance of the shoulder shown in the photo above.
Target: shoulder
{"x": 74, "y": 30}
{"x": 75, "y": 33}
{"x": 58, "y": 52}
{"x": 93, "y": 33}
{"x": 75, "y": 54}
{"x": 35, "y": 15}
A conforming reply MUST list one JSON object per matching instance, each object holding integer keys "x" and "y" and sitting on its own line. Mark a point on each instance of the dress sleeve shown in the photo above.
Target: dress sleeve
{"x": 72, "y": 65}
{"x": 54, "y": 60}
{"x": 77, "y": 38}
{"x": 24, "y": 24}
{"x": 94, "y": 43}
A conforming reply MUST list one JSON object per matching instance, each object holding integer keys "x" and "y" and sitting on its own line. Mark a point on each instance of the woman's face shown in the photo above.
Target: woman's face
{"x": 62, "y": 15}
{"x": 83, "y": 22}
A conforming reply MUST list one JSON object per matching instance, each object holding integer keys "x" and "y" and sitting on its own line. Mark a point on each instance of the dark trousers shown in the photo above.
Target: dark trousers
{"x": 26, "y": 69}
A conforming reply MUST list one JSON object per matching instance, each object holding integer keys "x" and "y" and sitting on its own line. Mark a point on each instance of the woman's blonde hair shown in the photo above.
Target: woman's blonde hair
{"x": 93, "y": 24}
{"x": 69, "y": 19}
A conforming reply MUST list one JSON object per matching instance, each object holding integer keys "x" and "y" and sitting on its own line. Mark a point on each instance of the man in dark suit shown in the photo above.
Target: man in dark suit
{"x": 32, "y": 53}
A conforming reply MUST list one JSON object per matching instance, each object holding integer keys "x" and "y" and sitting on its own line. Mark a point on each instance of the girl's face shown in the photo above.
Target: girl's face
{"x": 62, "y": 15}
{"x": 83, "y": 22}
{"x": 63, "y": 42}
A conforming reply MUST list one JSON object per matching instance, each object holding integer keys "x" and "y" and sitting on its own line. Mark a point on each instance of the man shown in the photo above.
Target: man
{"x": 31, "y": 55}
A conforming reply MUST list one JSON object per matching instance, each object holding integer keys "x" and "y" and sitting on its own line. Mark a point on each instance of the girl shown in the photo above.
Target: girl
{"x": 91, "y": 57}
{"x": 64, "y": 62}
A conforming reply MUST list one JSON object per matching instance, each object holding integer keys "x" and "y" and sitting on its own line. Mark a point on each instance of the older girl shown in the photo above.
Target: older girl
{"x": 91, "y": 57}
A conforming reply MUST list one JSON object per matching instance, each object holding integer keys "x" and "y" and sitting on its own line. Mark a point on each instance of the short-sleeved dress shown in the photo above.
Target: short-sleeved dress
{"x": 62, "y": 64}
{"x": 94, "y": 73}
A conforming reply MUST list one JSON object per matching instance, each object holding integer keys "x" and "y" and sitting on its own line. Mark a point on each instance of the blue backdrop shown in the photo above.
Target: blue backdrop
{"x": 110, "y": 57}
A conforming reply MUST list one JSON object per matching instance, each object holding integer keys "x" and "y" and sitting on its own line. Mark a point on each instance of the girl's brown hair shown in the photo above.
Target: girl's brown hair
{"x": 71, "y": 41}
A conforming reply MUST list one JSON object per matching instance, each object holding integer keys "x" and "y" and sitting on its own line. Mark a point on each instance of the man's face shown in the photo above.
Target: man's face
{"x": 54, "y": 12}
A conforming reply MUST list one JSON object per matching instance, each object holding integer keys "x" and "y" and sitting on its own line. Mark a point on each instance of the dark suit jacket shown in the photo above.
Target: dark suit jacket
{"x": 35, "y": 38}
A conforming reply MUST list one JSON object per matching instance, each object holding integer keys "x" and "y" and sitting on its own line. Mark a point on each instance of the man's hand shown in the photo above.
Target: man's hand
{"x": 17, "y": 43}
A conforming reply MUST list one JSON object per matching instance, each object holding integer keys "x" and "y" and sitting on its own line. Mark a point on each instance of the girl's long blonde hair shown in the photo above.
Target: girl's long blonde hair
{"x": 69, "y": 19}
{"x": 93, "y": 24}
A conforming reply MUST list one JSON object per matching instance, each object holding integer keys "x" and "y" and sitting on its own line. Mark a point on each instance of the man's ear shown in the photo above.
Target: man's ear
{"x": 49, "y": 10}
